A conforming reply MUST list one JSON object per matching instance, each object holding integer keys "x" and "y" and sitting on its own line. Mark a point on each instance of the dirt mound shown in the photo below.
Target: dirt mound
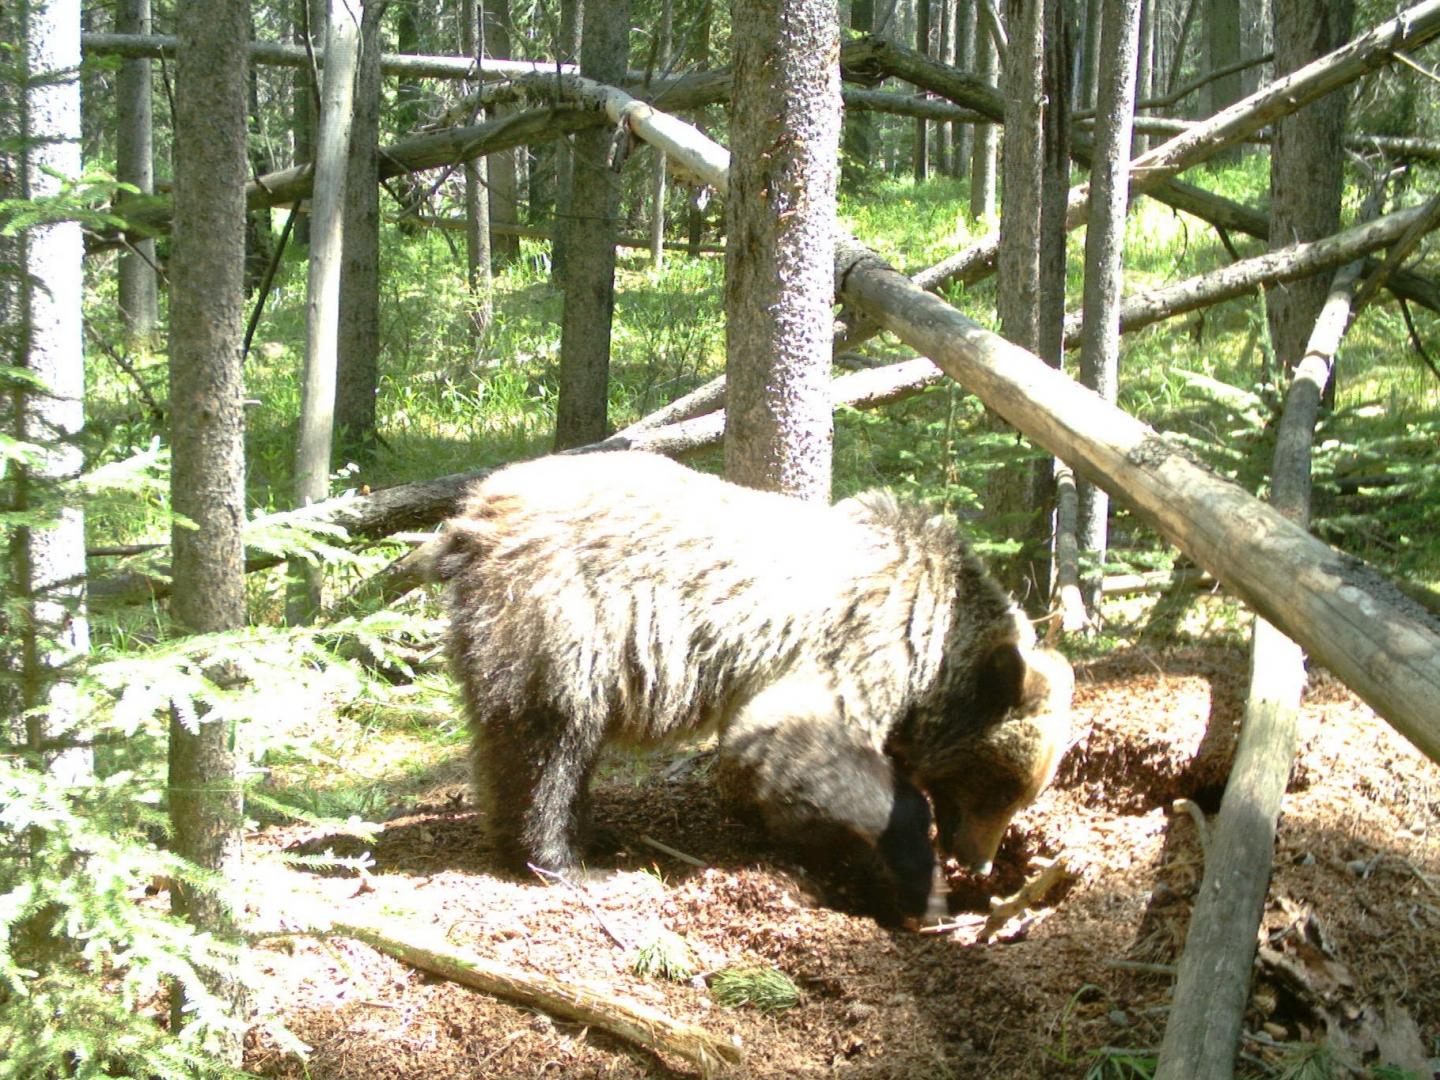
{"x": 1352, "y": 945}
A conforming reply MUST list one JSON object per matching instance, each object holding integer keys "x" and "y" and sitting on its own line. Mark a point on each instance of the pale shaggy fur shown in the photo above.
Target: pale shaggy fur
{"x": 843, "y": 652}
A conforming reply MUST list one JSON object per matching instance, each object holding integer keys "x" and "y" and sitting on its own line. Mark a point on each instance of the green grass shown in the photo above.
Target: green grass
{"x": 448, "y": 403}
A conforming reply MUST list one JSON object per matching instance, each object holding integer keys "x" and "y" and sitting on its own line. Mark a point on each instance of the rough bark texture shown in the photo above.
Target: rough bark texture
{"x": 581, "y": 414}
{"x": 207, "y": 478}
{"x": 1104, "y": 251}
{"x": 779, "y": 256}
{"x": 358, "y": 342}
{"x": 139, "y": 294}
{"x": 48, "y": 561}
{"x": 1306, "y": 166}
{"x": 1031, "y": 261}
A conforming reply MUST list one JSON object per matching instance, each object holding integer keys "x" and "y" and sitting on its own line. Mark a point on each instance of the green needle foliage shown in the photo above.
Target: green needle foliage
{"x": 666, "y": 956}
{"x": 766, "y": 988}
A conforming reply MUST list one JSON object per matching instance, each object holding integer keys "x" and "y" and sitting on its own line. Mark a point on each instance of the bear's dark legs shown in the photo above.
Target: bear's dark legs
{"x": 820, "y": 786}
{"x": 533, "y": 771}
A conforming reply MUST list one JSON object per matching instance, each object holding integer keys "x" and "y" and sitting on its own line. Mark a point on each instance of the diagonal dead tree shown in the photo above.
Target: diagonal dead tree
{"x": 1213, "y": 984}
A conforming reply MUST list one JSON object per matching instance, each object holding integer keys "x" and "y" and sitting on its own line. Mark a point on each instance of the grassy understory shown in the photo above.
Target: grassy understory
{"x": 448, "y": 403}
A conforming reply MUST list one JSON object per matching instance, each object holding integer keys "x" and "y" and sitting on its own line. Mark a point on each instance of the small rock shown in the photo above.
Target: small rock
{"x": 859, "y": 1010}
{"x": 1305, "y": 858}
{"x": 1118, "y": 1017}
{"x": 1357, "y": 867}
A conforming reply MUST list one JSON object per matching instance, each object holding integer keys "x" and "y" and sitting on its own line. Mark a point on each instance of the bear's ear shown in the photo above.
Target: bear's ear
{"x": 1000, "y": 682}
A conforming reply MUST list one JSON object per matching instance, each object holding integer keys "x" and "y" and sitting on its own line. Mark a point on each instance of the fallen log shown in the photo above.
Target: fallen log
{"x": 1378, "y": 641}
{"x": 1152, "y": 172}
{"x": 1212, "y": 989}
{"x": 1395, "y": 147}
{"x": 424, "y": 503}
{"x": 570, "y": 999}
{"x": 1282, "y": 264}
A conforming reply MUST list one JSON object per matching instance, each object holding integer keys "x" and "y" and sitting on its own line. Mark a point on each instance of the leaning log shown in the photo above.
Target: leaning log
{"x": 1383, "y": 645}
{"x": 1151, "y": 172}
{"x": 1282, "y": 264}
{"x": 1202, "y": 1033}
{"x": 1378, "y": 641}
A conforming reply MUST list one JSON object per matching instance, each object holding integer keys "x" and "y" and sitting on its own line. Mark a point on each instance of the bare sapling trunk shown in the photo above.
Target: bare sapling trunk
{"x": 327, "y": 237}
{"x": 1104, "y": 279}
{"x": 1213, "y": 985}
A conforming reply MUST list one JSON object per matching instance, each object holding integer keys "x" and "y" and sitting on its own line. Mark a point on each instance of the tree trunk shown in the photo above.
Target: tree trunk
{"x": 357, "y": 374}
{"x": 1145, "y": 82}
{"x": 1212, "y": 988}
{"x": 134, "y": 164}
{"x": 657, "y": 177}
{"x": 207, "y": 472}
{"x": 259, "y": 234}
{"x": 477, "y": 195}
{"x": 1222, "y": 20}
{"x": 43, "y": 261}
{"x": 962, "y": 135}
{"x": 922, "y": 127}
{"x": 309, "y": 32}
{"x": 327, "y": 237}
{"x": 780, "y": 245}
{"x": 1306, "y": 167}
{"x": 502, "y": 169}
{"x": 984, "y": 158}
{"x": 859, "y": 125}
{"x": 1087, "y": 75}
{"x": 1031, "y": 261}
{"x": 567, "y": 49}
{"x": 1104, "y": 259}
{"x": 582, "y": 405}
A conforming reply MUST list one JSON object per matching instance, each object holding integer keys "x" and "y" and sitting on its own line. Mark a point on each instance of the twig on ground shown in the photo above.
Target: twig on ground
{"x": 586, "y": 1003}
{"x": 1197, "y": 815}
{"x": 614, "y": 935}
{"x": 1053, "y": 872}
{"x": 674, "y": 853}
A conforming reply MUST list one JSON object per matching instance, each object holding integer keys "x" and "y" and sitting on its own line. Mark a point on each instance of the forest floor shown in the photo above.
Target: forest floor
{"x": 1078, "y": 985}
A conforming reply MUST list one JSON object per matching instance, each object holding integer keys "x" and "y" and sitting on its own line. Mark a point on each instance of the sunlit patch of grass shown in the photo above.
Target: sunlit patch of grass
{"x": 667, "y": 955}
{"x": 373, "y": 757}
{"x": 766, "y": 988}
